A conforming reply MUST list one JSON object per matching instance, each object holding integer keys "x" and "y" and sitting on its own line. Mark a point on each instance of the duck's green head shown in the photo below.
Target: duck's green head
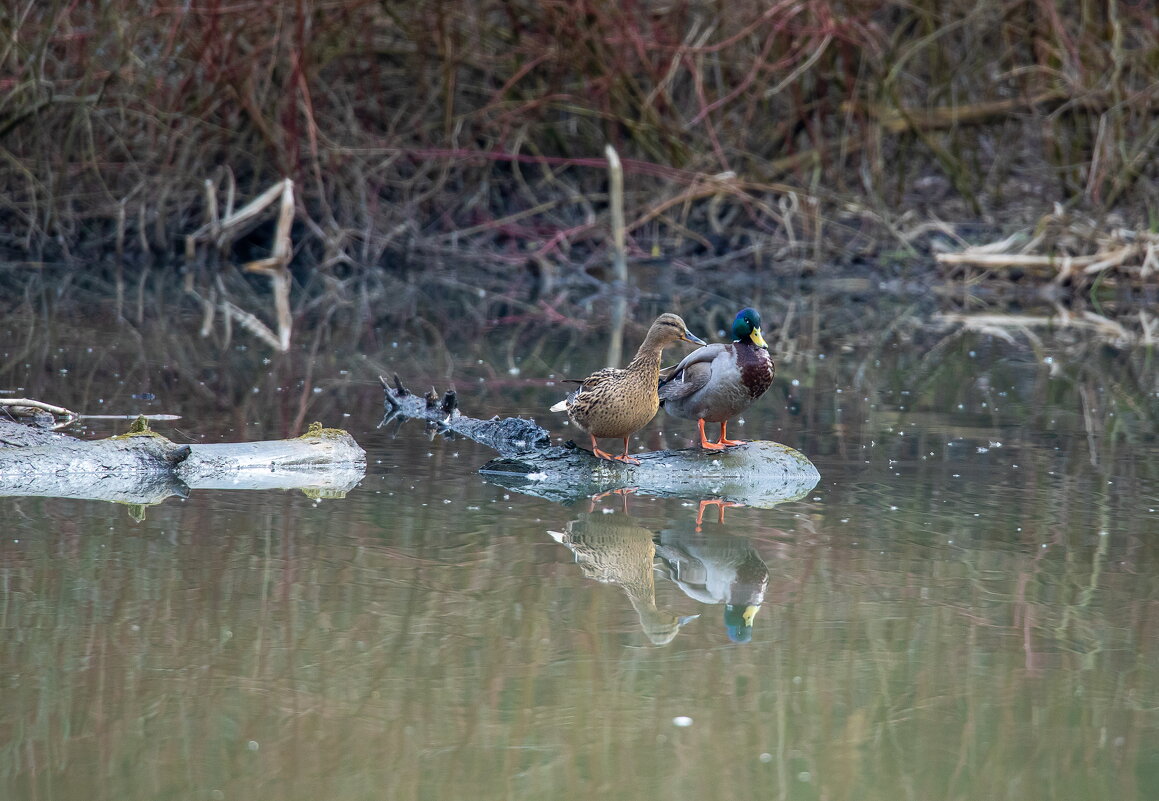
{"x": 747, "y": 326}
{"x": 739, "y": 621}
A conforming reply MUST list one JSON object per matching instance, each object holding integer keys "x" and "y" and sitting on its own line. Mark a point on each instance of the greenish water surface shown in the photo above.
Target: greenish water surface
{"x": 966, "y": 606}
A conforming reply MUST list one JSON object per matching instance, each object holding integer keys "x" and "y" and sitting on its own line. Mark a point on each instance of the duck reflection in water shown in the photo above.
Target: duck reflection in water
{"x": 717, "y": 568}
{"x": 615, "y": 549}
{"x": 712, "y": 568}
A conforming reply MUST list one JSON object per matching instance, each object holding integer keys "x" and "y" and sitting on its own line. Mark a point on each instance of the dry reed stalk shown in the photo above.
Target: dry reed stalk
{"x": 619, "y": 258}
{"x": 220, "y": 233}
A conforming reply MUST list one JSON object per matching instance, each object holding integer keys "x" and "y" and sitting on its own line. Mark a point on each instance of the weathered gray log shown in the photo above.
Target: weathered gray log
{"x": 318, "y": 450}
{"x": 758, "y": 473}
{"x": 144, "y": 467}
{"x": 37, "y": 452}
{"x": 755, "y": 474}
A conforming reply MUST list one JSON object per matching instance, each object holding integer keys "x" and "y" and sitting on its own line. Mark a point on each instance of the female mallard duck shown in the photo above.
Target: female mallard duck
{"x": 720, "y": 381}
{"x": 615, "y": 549}
{"x": 616, "y": 402}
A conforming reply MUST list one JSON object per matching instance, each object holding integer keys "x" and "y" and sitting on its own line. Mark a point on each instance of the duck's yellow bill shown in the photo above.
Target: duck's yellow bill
{"x": 749, "y": 613}
{"x": 757, "y": 339}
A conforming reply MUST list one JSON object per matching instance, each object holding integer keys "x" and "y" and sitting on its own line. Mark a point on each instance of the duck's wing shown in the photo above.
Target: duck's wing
{"x": 599, "y": 377}
{"x": 692, "y": 373}
{"x": 586, "y": 385}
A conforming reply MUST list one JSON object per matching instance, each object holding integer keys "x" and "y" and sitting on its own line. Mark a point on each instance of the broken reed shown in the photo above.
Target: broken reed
{"x": 439, "y": 125}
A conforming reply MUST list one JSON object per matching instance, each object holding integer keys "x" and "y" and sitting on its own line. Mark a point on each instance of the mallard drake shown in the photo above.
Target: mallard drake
{"x": 617, "y": 402}
{"x": 717, "y": 382}
{"x": 718, "y": 569}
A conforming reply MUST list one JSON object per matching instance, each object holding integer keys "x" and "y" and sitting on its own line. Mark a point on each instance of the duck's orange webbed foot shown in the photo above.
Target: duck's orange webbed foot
{"x": 704, "y": 442}
{"x": 623, "y": 492}
{"x": 725, "y": 442}
{"x": 624, "y": 457}
{"x": 721, "y": 505}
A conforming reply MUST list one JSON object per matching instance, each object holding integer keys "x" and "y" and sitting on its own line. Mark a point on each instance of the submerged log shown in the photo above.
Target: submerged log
{"x": 754, "y": 474}
{"x": 144, "y": 467}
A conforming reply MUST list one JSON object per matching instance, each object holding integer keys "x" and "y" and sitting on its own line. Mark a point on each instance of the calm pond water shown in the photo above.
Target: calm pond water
{"x": 966, "y": 606}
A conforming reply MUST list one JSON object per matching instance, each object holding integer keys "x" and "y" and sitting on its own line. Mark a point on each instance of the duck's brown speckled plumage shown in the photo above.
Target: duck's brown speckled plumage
{"x": 717, "y": 382}
{"x": 616, "y": 402}
{"x": 614, "y": 549}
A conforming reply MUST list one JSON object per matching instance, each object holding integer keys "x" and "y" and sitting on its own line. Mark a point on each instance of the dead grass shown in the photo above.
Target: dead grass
{"x": 440, "y": 135}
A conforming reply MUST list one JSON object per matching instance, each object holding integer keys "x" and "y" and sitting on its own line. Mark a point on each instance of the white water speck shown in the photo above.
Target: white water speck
{"x": 683, "y": 721}
{"x": 536, "y": 476}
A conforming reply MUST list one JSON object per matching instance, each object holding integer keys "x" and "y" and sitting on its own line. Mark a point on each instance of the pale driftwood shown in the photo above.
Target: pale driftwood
{"x": 144, "y": 467}
{"x": 996, "y": 324}
{"x": 1132, "y": 254}
{"x": 1013, "y": 259}
{"x": 320, "y": 451}
{"x": 755, "y": 474}
{"x": 23, "y": 406}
